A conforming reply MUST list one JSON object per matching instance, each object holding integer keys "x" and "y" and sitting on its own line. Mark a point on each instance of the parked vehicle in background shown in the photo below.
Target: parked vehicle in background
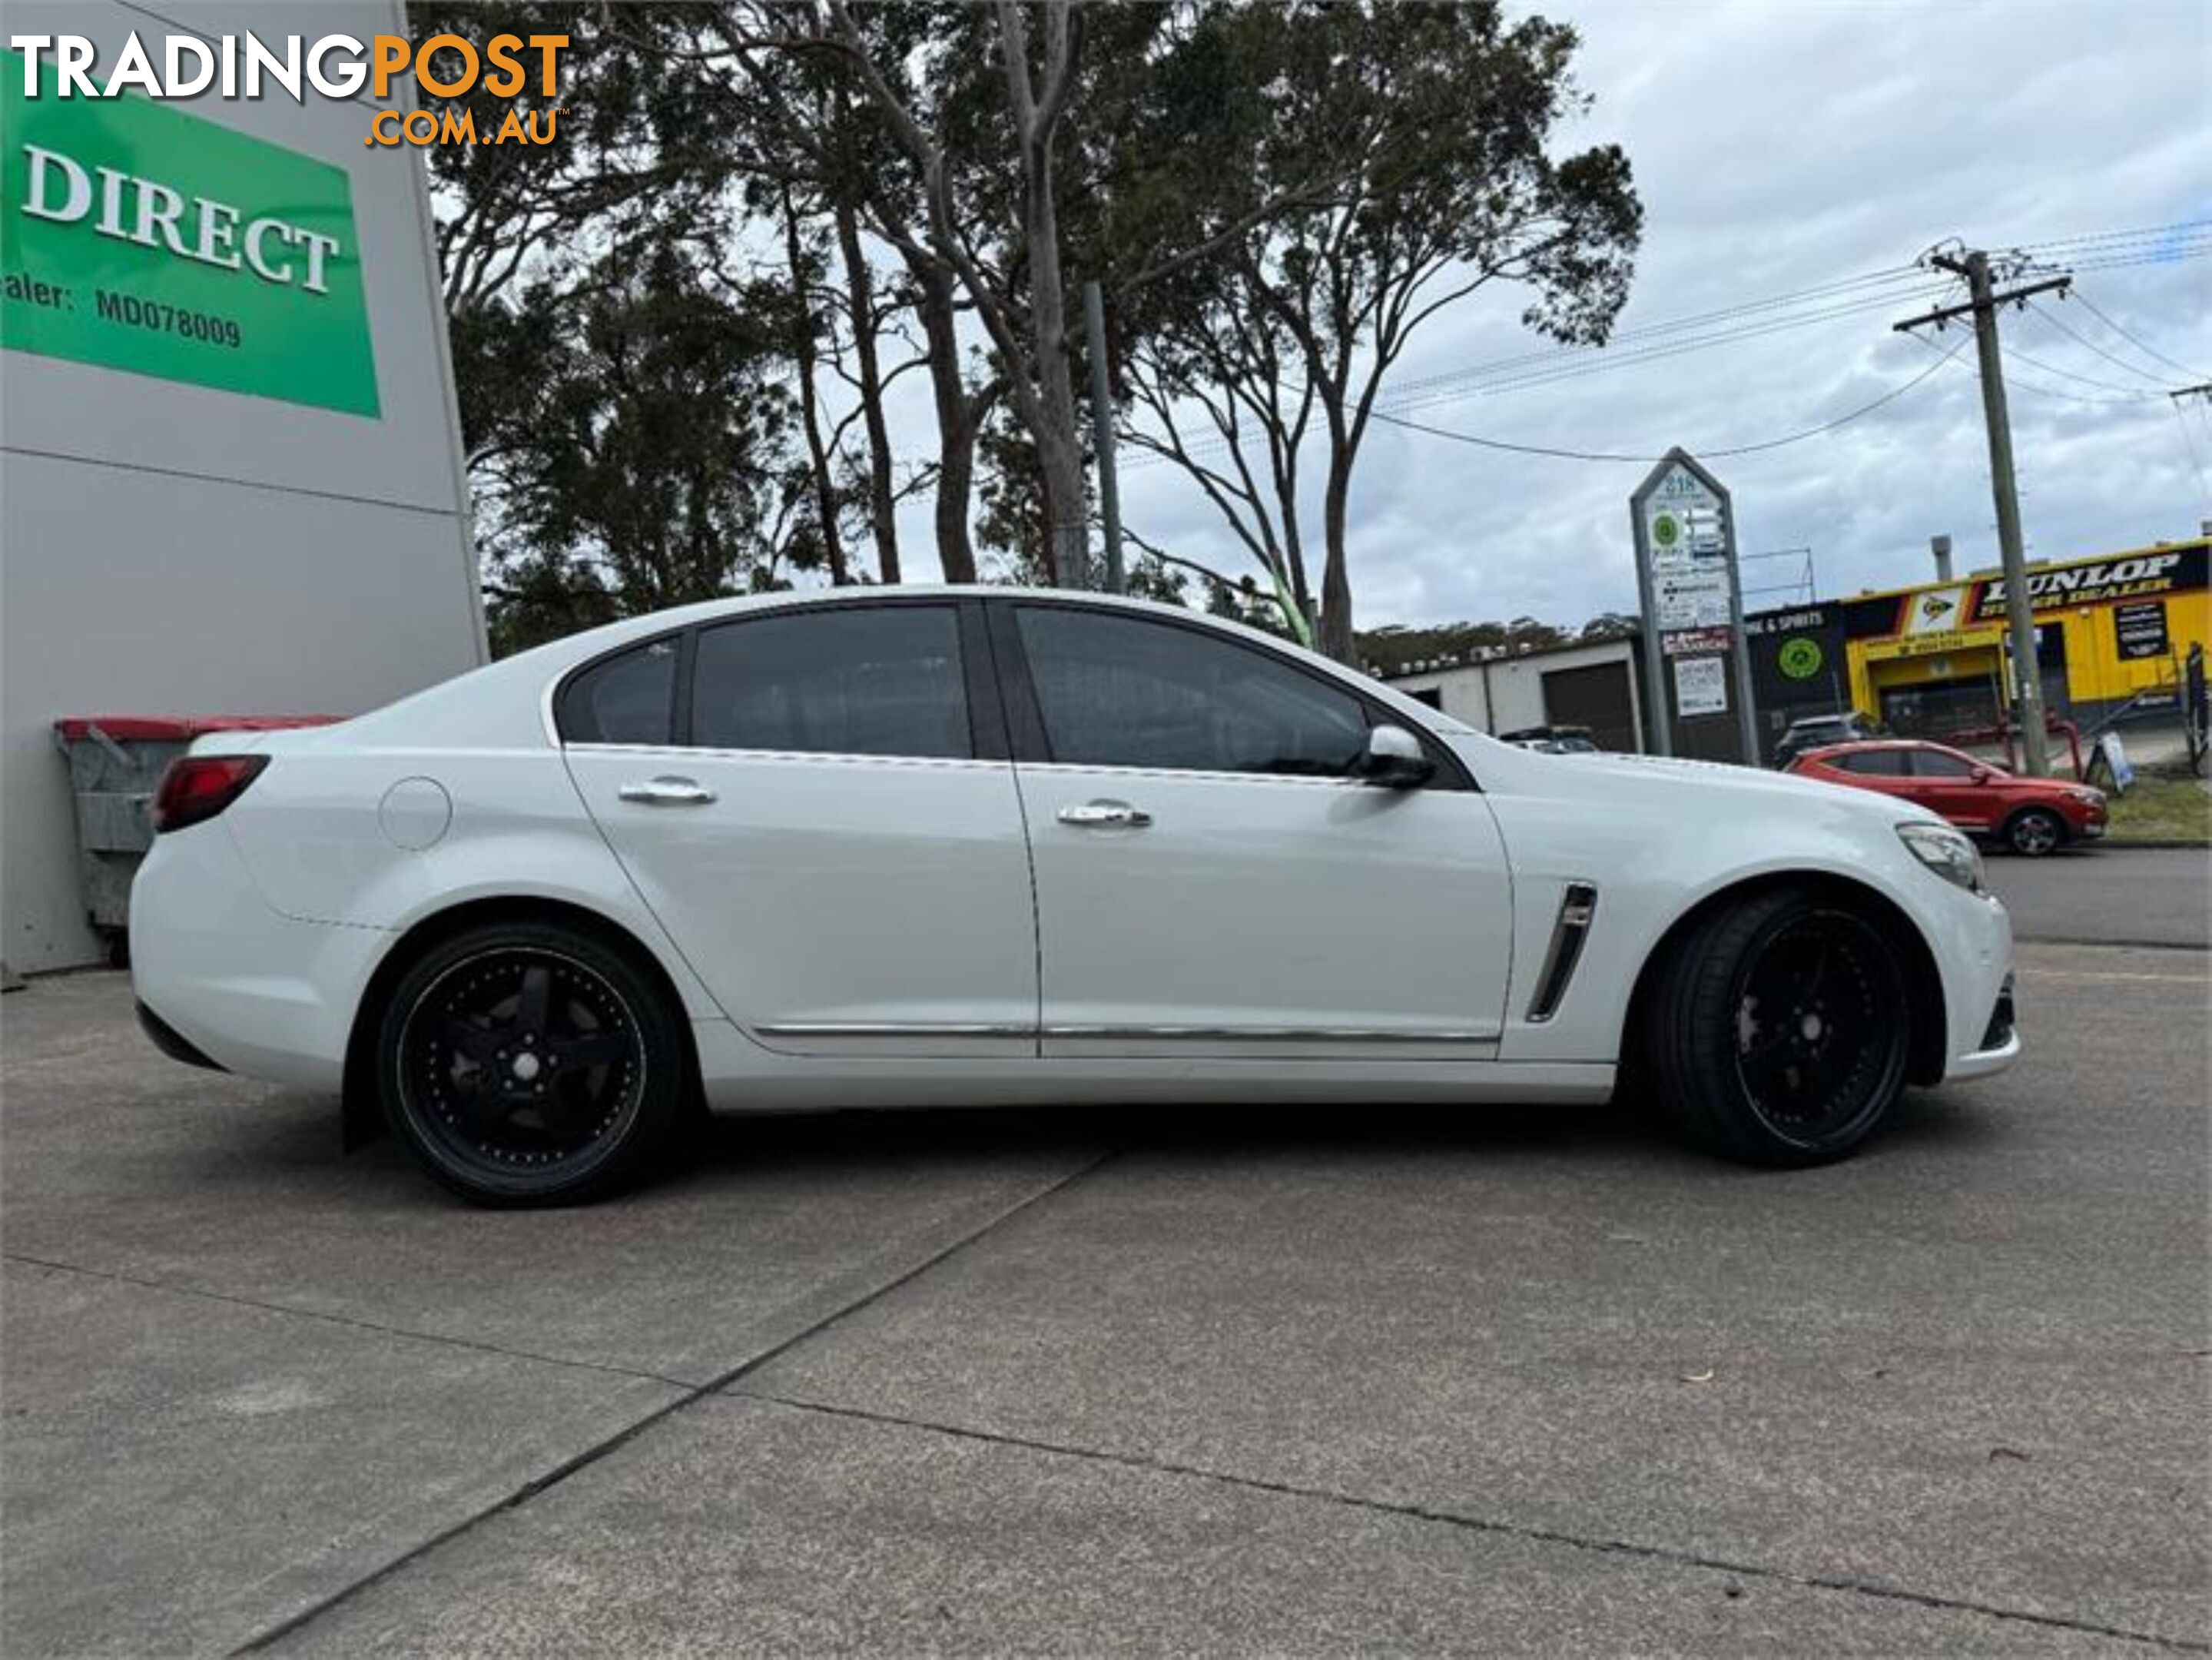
{"x": 1815, "y": 730}
{"x": 2031, "y": 816}
{"x": 978, "y": 846}
{"x": 1552, "y": 740}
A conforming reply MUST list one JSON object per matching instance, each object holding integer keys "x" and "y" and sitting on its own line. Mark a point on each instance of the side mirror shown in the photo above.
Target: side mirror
{"x": 1980, "y": 776}
{"x": 1392, "y": 759}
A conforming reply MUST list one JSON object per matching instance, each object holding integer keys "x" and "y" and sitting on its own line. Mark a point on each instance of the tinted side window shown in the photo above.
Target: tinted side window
{"x": 1886, "y": 763}
{"x": 626, "y": 699}
{"x": 873, "y": 680}
{"x": 1120, "y": 691}
{"x": 1934, "y": 763}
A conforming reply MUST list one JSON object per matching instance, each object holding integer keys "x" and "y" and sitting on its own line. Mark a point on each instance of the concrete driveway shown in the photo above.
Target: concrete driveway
{"x": 1168, "y": 1380}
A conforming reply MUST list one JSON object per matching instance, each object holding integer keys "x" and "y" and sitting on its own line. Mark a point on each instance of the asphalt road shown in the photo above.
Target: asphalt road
{"x": 2159, "y": 896}
{"x": 1174, "y": 1380}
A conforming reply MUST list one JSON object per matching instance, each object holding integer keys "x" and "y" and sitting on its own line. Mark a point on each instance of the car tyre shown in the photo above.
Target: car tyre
{"x": 1778, "y": 1030}
{"x": 530, "y": 1064}
{"x": 2034, "y": 831}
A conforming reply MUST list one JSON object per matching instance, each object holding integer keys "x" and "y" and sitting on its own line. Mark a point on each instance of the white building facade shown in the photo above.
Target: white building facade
{"x": 1593, "y": 685}
{"x": 231, "y": 479}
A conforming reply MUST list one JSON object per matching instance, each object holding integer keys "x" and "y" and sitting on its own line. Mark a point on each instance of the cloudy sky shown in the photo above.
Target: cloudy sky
{"x": 1779, "y": 146}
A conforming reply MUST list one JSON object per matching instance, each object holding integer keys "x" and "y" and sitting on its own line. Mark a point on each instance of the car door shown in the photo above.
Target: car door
{"x": 828, "y": 826}
{"x": 1887, "y": 771}
{"x": 1944, "y": 780}
{"x": 1210, "y": 879}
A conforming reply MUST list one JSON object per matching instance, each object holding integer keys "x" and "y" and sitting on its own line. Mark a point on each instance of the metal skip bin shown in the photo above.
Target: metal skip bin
{"x": 115, "y": 763}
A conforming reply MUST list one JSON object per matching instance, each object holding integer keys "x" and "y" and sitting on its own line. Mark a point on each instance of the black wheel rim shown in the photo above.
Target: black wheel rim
{"x": 2037, "y": 833}
{"x": 1818, "y": 1046}
{"x": 522, "y": 1064}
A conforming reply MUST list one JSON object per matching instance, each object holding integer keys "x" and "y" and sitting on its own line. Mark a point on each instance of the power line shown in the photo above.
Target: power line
{"x": 2173, "y": 255}
{"x": 2140, "y": 346}
{"x": 2012, "y": 355}
{"x": 1442, "y": 389}
{"x": 1889, "y": 397}
{"x": 2135, "y": 369}
{"x": 1675, "y": 325}
{"x": 2145, "y": 234}
{"x": 2195, "y": 460}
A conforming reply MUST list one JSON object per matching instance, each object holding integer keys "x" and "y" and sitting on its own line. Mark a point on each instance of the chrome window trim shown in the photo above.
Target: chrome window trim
{"x": 1206, "y": 775}
{"x": 836, "y": 758}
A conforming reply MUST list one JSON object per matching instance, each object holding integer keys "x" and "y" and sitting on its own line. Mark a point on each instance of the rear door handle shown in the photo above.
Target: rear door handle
{"x": 668, "y": 791}
{"x": 1105, "y": 815}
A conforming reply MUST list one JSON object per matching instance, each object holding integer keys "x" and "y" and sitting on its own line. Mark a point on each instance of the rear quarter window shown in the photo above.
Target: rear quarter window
{"x": 627, "y": 698}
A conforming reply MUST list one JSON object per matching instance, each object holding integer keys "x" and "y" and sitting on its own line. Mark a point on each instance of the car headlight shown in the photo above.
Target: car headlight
{"x": 2089, "y": 798}
{"x": 1945, "y": 851}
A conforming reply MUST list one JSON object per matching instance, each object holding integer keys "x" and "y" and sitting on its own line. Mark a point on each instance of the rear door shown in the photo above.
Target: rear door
{"x": 1887, "y": 771}
{"x": 1212, "y": 880}
{"x": 819, "y": 805}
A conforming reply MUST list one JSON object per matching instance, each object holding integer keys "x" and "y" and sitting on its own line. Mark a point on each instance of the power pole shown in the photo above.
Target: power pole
{"x": 2020, "y": 613}
{"x": 1101, "y": 436}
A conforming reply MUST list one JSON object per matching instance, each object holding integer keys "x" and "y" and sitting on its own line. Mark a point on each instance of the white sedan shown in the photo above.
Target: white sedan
{"x": 975, "y": 846}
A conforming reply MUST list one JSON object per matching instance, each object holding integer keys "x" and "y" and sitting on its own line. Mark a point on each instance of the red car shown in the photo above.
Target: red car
{"x": 2031, "y": 816}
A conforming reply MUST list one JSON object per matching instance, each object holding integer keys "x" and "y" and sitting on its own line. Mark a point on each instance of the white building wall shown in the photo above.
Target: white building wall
{"x": 173, "y": 548}
{"x": 1506, "y": 694}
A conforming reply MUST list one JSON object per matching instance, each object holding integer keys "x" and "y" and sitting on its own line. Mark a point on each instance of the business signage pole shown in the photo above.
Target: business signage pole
{"x": 1686, "y": 578}
{"x": 1659, "y": 728}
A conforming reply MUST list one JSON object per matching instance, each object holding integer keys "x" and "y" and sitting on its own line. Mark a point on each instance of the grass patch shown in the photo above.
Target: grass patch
{"x": 2162, "y": 810}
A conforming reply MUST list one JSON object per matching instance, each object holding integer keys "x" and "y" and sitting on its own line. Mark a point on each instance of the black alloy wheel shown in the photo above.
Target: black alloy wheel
{"x": 1780, "y": 1029}
{"x": 2033, "y": 832}
{"x": 530, "y": 1064}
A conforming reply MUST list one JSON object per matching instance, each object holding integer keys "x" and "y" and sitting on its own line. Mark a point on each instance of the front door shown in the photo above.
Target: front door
{"x": 833, "y": 837}
{"x": 1212, "y": 880}
{"x": 1944, "y": 780}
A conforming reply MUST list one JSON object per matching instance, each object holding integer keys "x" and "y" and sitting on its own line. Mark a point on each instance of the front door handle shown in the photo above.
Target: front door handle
{"x": 1106, "y": 815}
{"x": 668, "y": 791}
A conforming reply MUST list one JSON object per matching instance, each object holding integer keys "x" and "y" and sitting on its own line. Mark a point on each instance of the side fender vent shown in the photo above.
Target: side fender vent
{"x": 1577, "y": 906}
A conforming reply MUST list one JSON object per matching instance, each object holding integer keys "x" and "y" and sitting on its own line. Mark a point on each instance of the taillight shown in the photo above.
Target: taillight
{"x": 196, "y": 787}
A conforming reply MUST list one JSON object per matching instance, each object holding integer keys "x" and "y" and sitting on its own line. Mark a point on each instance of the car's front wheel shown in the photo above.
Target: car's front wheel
{"x": 2033, "y": 832}
{"x": 1779, "y": 1029}
{"x": 529, "y": 1063}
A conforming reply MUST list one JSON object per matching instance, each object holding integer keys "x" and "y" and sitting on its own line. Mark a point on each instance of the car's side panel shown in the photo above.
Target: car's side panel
{"x": 836, "y": 903}
{"x": 1267, "y": 914}
{"x": 261, "y": 994}
{"x": 1684, "y": 844}
{"x": 322, "y": 847}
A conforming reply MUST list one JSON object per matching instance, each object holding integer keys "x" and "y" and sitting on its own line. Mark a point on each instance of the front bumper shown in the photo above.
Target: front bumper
{"x": 2000, "y": 1045}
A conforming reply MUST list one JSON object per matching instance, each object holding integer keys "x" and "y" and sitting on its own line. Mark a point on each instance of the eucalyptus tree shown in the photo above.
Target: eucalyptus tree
{"x": 1423, "y": 136}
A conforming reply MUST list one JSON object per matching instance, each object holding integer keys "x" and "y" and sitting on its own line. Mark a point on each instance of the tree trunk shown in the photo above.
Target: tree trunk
{"x": 1060, "y": 452}
{"x": 825, "y": 486}
{"x": 859, "y": 299}
{"x": 1336, "y": 579}
{"x": 956, "y": 426}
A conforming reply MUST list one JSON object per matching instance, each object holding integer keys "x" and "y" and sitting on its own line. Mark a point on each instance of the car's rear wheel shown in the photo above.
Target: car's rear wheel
{"x": 1779, "y": 1029}
{"x": 530, "y": 1064}
{"x": 2033, "y": 832}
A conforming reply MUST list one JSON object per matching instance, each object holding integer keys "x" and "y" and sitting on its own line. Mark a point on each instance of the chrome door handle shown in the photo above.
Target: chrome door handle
{"x": 1106, "y": 815}
{"x": 668, "y": 791}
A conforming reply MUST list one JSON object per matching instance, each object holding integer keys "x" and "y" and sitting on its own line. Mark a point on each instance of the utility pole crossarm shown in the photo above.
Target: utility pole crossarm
{"x": 1945, "y": 313}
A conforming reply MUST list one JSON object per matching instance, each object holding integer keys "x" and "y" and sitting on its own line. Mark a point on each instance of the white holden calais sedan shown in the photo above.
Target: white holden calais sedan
{"x": 925, "y": 847}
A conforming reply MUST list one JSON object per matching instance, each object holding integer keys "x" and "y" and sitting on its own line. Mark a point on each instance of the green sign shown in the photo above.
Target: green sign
{"x": 1800, "y": 659}
{"x": 135, "y": 236}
